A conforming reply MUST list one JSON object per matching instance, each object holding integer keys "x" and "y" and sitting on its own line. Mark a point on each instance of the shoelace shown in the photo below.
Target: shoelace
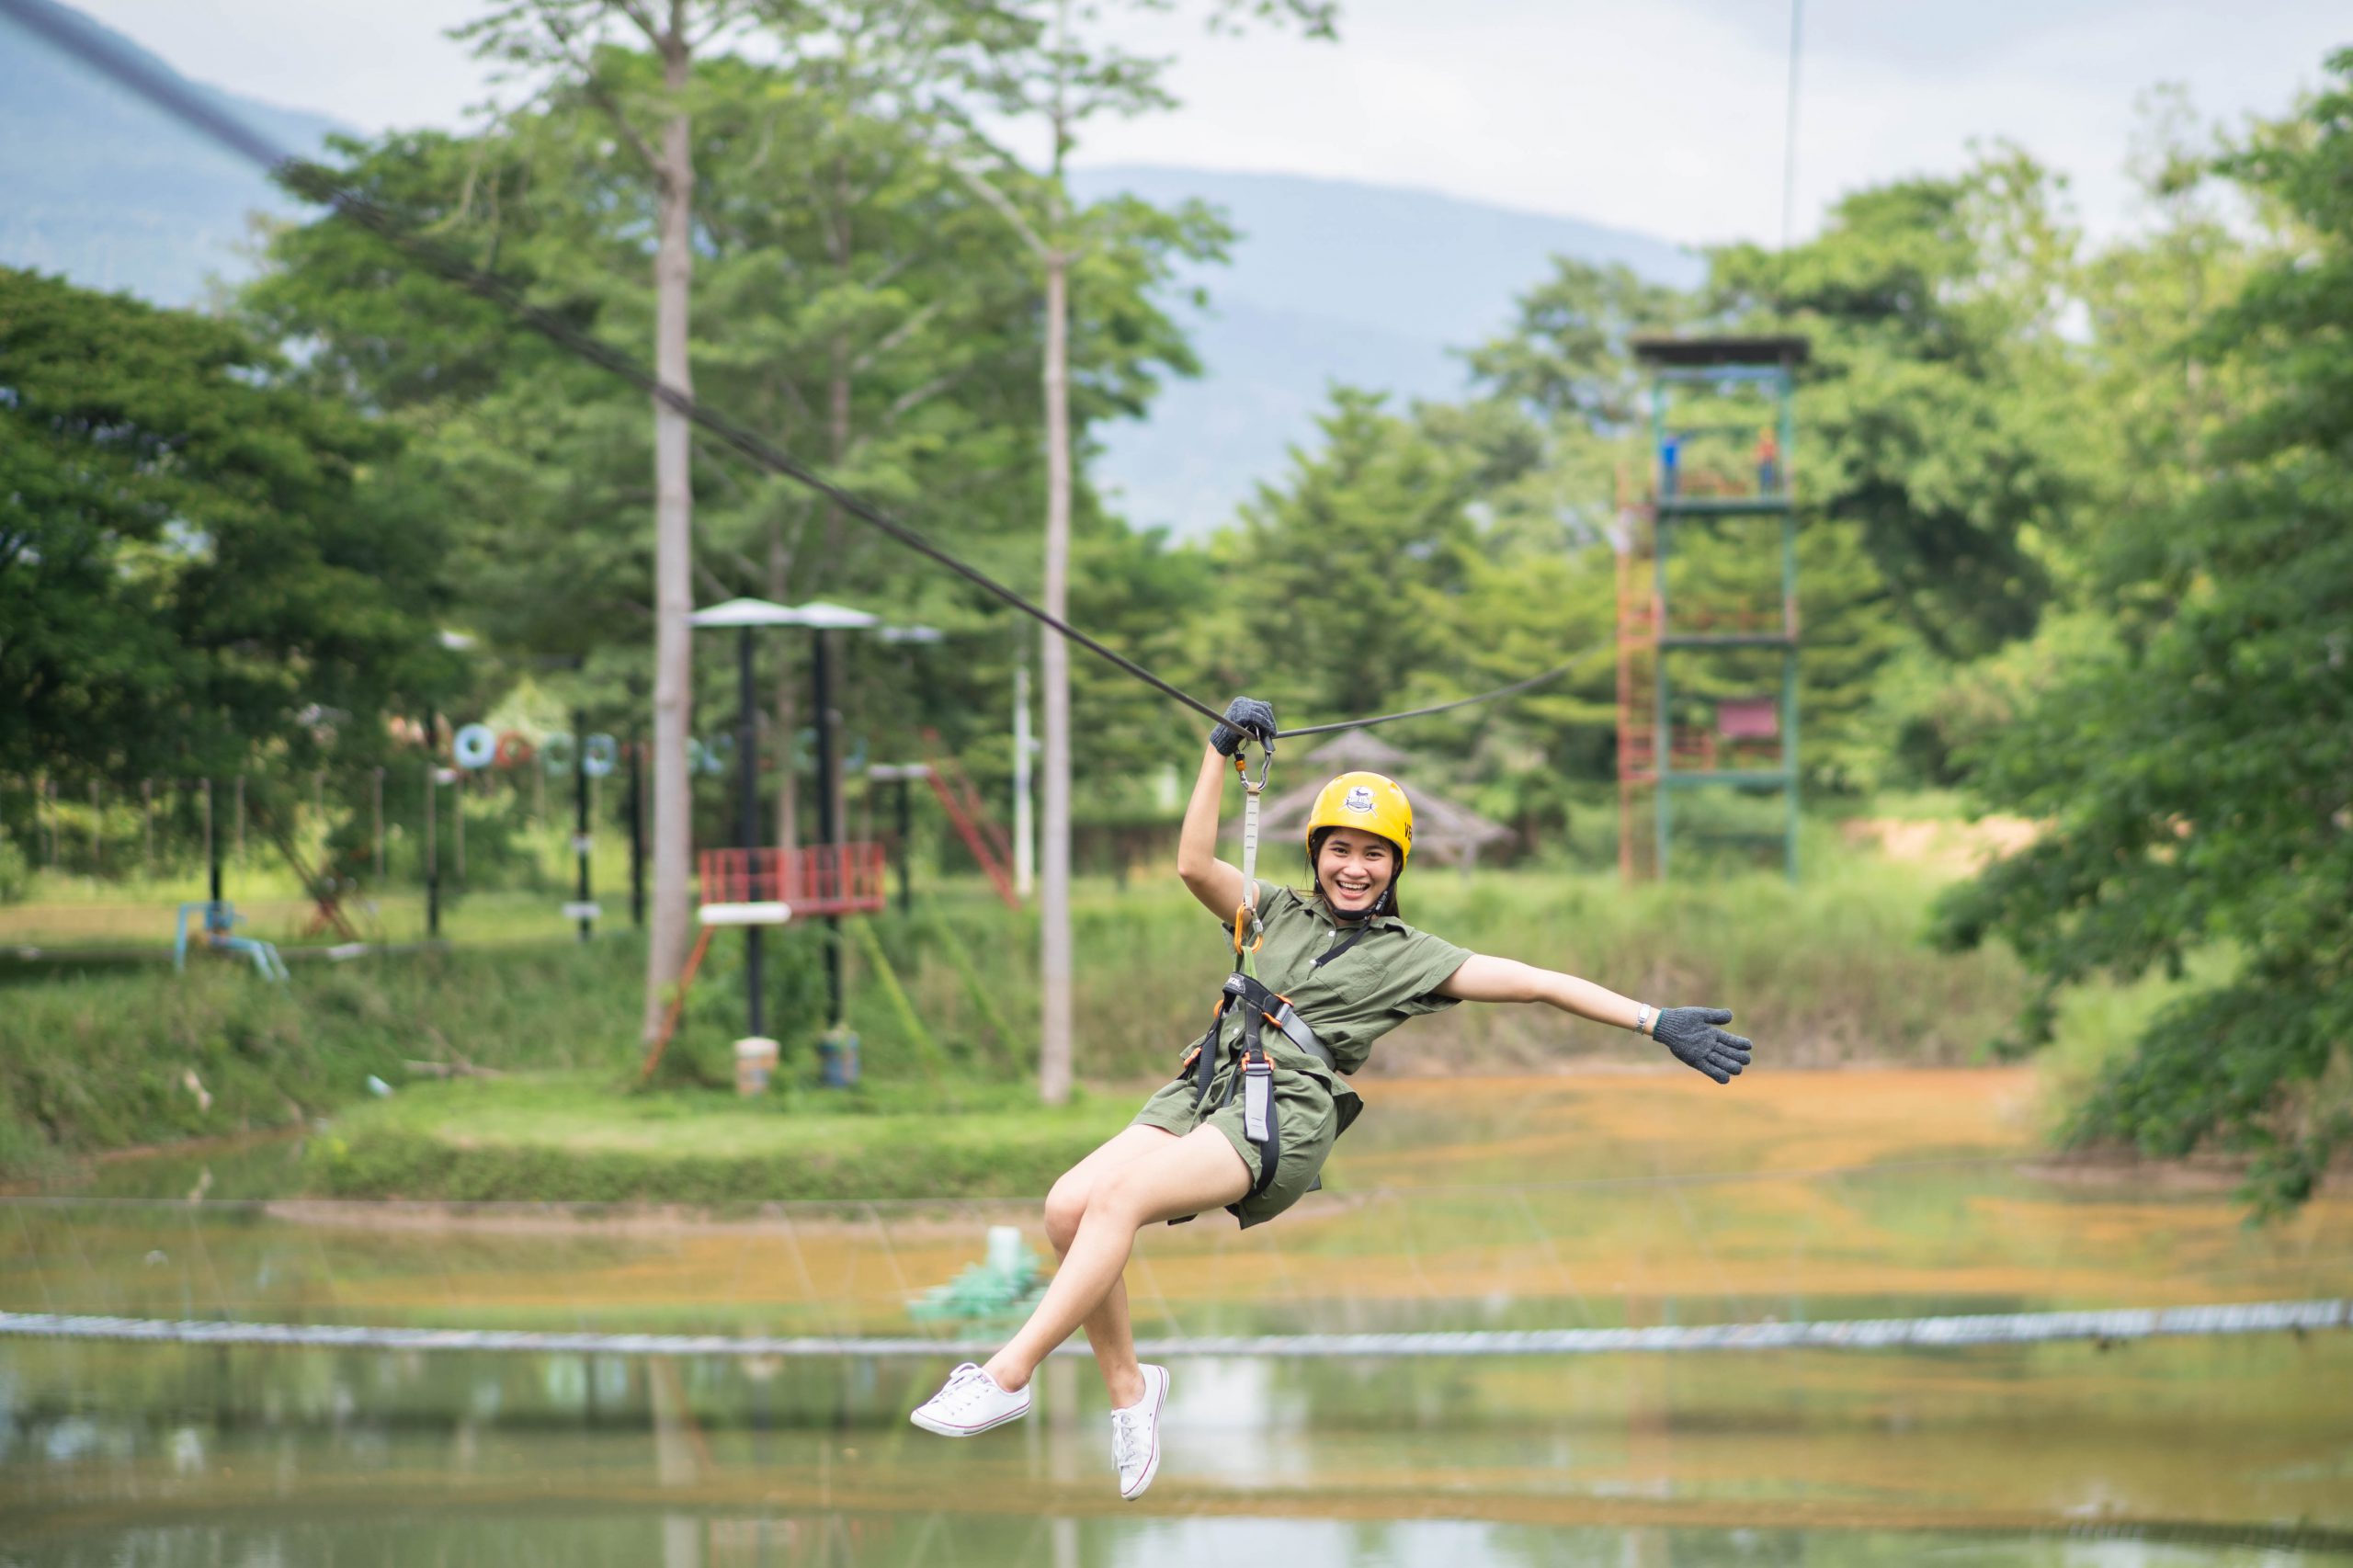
{"x": 966, "y": 1384}
{"x": 1128, "y": 1430}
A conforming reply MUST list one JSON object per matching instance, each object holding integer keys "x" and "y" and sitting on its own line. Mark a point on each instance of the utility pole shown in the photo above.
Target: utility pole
{"x": 1025, "y": 822}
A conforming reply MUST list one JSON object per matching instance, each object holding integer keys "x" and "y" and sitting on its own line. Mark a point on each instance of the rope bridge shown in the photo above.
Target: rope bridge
{"x": 2113, "y": 1325}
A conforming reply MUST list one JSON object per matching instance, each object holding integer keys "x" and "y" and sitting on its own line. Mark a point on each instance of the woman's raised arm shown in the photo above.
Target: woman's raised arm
{"x": 1208, "y": 879}
{"x": 1215, "y": 884}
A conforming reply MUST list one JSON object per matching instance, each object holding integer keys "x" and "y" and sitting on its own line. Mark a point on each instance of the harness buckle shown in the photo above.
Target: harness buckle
{"x": 1258, "y": 1094}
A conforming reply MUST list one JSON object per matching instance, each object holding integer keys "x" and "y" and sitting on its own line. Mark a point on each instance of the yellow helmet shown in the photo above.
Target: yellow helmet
{"x": 1367, "y": 801}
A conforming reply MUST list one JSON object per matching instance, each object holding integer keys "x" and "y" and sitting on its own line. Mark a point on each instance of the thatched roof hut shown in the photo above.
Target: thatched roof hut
{"x": 1445, "y": 832}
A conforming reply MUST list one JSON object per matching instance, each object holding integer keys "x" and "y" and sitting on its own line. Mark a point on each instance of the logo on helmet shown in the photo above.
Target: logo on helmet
{"x": 1359, "y": 799}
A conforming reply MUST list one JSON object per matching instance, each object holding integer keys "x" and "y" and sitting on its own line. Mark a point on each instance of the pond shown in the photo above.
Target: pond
{"x": 1471, "y": 1204}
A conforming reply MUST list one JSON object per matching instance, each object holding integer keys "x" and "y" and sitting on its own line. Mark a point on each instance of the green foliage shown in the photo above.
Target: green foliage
{"x": 2195, "y": 772}
{"x": 1333, "y": 584}
{"x": 1942, "y": 416}
{"x": 199, "y": 563}
{"x": 855, "y": 302}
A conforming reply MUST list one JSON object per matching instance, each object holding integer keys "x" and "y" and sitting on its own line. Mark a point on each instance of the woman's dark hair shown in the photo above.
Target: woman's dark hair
{"x": 1388, "y": 905}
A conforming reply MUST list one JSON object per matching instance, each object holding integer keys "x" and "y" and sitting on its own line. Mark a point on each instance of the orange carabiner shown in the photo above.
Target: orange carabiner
{"x": 1241, "y": 916}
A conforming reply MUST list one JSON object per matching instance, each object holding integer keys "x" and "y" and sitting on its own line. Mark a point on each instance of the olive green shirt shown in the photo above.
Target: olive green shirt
{"x": 1389, "y": 974}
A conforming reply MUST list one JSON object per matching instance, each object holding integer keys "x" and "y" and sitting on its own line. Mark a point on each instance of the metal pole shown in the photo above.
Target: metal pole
{"x": 211, "y": 848}
{"x": 1025, "y": 823}
{"x": 748, "y": 834}
{"x": 820, "y": 686}
{"x": 637, "y": 834}
{"x": 907, "y": 869}
{"x": 1789, "y": 610}
{"x": 1663, "y": 737}
{"x": 432, "y": 849}
{"x": 580, "y": 840}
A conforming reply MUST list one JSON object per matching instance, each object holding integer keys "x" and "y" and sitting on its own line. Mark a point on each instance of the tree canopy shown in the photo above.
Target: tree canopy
{"x": 2195, "y": 764}
{"x": 199, "y": 563}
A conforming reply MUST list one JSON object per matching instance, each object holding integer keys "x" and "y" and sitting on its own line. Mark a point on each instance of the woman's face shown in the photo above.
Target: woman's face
{"x": 1355, "y": 868}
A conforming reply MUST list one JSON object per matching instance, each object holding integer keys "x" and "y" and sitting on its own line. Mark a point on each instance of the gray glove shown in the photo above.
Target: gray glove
{"x": 1692, "y": 1035}
{"x": 1244, "y": 716}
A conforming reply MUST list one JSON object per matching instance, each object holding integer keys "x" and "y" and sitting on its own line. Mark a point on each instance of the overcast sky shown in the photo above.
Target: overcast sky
{"x": 1662, "y": 116}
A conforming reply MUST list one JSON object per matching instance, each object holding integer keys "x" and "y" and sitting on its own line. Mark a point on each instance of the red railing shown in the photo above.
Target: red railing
{"x": 825, "y": 878}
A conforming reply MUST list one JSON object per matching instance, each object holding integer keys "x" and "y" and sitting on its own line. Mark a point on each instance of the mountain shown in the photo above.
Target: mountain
{"x": 1330, "y": 282}
{"x": 96, "y": 185}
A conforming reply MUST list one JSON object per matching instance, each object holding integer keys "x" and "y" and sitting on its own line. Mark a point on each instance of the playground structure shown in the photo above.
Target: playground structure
{"x": 219, "y": 932}
{"x": 1700, "y": 600}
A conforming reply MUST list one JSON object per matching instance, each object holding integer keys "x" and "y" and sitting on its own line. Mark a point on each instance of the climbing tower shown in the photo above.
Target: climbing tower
{"x": 1708, "y": 602}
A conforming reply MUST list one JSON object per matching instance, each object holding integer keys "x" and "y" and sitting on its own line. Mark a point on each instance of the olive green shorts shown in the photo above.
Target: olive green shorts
{"x": 1307, "y": 1122}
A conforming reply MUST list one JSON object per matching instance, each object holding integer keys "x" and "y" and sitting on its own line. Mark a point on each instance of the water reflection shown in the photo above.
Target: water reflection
{"x": 2189, "y": 1452}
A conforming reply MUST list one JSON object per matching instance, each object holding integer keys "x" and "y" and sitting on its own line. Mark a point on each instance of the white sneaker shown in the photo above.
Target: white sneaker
{"x": 1135, "y": 1435}
{"x": 971, "y": 1403}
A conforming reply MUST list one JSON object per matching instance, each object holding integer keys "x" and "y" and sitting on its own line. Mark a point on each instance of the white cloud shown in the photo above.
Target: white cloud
{"x": 1663, "y": 115}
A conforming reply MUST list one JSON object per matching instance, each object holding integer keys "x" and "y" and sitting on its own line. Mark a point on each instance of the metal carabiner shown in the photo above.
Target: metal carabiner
{"x": 1242, "y": 769}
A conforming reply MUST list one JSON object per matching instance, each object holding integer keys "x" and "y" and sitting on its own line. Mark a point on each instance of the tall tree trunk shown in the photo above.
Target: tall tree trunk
{"x": 1054, "y": 931}
{"x": 672, "y": 552}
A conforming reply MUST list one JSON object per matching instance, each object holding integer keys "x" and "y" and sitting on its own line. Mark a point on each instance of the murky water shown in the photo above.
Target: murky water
{"x": 1544, "y": 1202}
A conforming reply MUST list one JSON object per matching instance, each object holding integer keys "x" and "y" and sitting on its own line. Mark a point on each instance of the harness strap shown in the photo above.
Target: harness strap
{"x": 1356, "y": 934}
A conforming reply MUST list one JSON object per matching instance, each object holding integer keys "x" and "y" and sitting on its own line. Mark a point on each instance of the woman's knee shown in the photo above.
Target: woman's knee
{"x": 1065, "y": 1208}
{"x": 1120, "y": 1194}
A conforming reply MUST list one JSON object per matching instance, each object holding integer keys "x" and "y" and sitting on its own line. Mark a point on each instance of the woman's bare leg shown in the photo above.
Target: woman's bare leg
{"x": 1108, "y": 1332}
{"x": 1197, "y": 1172}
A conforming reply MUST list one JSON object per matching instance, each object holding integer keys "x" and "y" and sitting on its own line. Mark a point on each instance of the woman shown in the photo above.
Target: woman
{"x": 1255, "y": 1111}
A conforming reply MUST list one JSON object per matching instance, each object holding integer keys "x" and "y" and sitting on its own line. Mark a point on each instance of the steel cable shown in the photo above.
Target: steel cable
{"x": 318, "y": 184}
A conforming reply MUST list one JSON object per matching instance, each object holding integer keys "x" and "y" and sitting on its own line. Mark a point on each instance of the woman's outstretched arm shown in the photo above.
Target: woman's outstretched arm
{"x": 1486, "y": 979}
{"x": 1691, "y": 1033}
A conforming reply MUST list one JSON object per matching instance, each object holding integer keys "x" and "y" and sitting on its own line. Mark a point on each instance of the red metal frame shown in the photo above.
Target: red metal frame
{"x": 964, "y": 807}
{"x": 824, "y": 879}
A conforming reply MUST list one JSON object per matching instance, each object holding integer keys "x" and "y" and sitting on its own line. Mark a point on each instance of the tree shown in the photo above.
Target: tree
{"x": 855, "y": 300}
{"x": 1059, "y": 79}
{"x": 566, "y": 38}
{"x": 2195, "y": 769}
{"x": 1336, "y": 583}
{"x": 198, "y": 566}
{"x": 1942, "y": 414}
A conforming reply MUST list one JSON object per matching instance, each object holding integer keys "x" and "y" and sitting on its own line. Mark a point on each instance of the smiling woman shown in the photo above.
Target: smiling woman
{"x": 1256, "y": 1105}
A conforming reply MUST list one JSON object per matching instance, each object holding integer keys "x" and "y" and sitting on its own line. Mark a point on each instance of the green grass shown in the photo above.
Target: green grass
{"x": 96, "y": 1057}
{"x": 570, "y": 1137}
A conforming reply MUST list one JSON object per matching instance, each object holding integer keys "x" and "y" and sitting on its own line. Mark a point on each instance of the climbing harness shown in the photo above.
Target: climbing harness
{"x": 1261, "y": 1006}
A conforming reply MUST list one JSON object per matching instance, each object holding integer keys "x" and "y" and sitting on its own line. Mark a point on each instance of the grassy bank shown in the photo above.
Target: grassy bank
{"x": 569, "y": 1138}
{"x": 97, "y": 1058}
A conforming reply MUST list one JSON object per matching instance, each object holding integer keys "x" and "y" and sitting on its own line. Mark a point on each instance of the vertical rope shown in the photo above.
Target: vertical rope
{"x": 1789, "y": 128}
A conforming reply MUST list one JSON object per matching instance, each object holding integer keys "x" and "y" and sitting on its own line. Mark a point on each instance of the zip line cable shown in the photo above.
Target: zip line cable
{"x": 318, "y": 184}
